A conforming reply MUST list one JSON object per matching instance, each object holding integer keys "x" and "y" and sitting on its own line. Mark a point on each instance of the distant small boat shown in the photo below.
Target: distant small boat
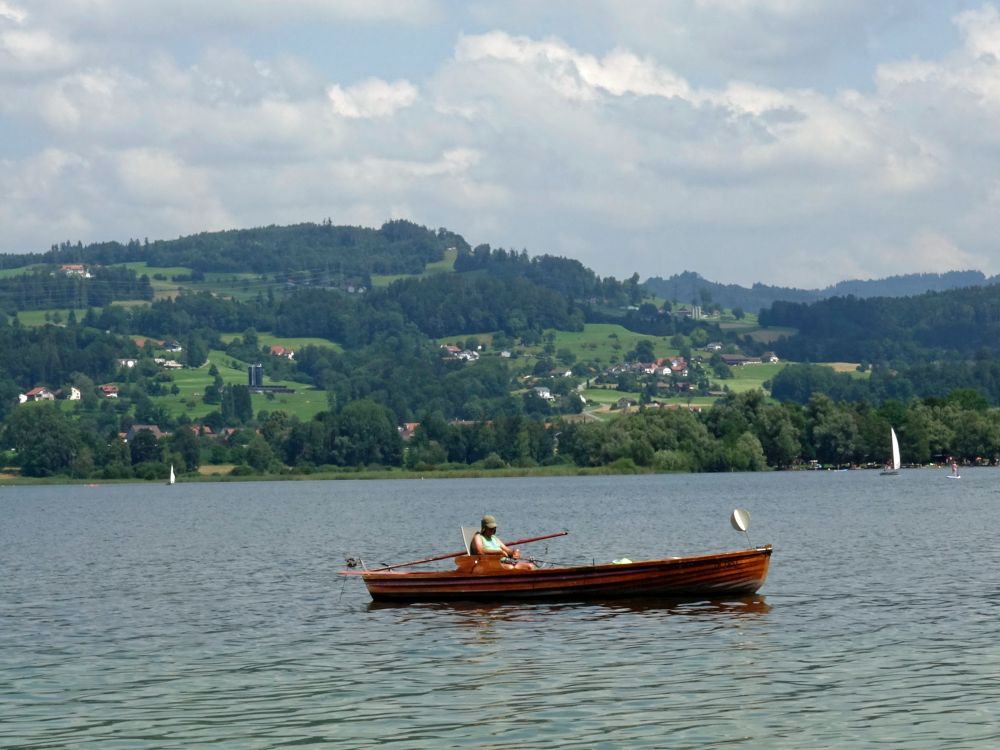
{"x": 172, "y": 478}
{"x": 891, "y": 469}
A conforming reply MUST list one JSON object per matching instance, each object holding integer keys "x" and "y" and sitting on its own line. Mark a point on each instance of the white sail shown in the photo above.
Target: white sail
{"x": 172, "y": 479}
{"x": 896, "y": 463}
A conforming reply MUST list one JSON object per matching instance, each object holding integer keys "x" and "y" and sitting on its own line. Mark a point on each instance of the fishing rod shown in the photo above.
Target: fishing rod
{"x": 451, "y": 554}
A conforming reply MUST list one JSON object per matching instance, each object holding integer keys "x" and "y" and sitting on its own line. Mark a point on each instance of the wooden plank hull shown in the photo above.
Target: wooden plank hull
{"x": 702, "y": 576}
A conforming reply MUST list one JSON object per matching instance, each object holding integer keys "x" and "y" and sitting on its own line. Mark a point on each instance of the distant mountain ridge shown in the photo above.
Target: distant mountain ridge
{"x": 690, "y": 286}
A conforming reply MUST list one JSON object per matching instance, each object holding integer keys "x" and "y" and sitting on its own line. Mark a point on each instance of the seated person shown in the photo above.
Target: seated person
{"x": 486, "y": 542}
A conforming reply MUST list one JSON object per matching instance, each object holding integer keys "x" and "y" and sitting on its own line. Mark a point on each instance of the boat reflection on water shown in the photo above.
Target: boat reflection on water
{"x": 751, "y": 605}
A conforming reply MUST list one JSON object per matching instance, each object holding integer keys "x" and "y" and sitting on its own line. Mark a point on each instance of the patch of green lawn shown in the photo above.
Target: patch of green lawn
{"x": 445, "y": 265}
{"x": 606, "y": 343}
{"x": 7, "y": 273}
{"x": 57, "y": 316}
{"x": 289, "y": 342}
{"x": 606, "y": 396}
{"x": 750, "y": 377}
{"x": 305, "y": 402}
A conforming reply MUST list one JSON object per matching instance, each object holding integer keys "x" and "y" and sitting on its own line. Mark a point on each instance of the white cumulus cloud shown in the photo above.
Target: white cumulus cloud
{"x": 372, "y": 98}
{"x": 10, "y": 12}
{"x": 749, "y": 141}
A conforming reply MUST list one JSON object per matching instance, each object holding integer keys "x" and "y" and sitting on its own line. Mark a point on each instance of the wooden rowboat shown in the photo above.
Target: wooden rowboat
{"x": 483, "y": 578}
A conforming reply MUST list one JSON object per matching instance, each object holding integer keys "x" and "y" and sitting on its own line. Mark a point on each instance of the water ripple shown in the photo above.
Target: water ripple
{"x": 213, "y": 616}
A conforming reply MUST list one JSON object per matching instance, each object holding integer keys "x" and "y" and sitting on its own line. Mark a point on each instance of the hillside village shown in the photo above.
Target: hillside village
{"x": 484, "y": 358}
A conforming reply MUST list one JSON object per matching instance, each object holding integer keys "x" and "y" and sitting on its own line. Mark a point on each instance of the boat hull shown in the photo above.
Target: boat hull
{"x": 703, "y": 576}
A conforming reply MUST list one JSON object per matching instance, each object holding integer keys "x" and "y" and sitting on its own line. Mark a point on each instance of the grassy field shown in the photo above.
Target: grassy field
{"x": 239, "y": 286}
{"x": 444, "y": 265}
{"x": 236, "y": 285}
{"x": 603, "y": 343}
{"x": 851, "y": 368}
{"x": 770, "y": 335}
{"x": 606, "y": 396}
{"x": 141, "y": 267}
{"x": 289, "y": 342}
{"x": 162, "y": 289}
{"x": 7, "y": 273}
{"x": 304, "y": 403}
{"x": 751, "y": 377}
{"x": 601, "y": 400}
{"x": 42, "y": 317}
{"x": 606, "y": 341}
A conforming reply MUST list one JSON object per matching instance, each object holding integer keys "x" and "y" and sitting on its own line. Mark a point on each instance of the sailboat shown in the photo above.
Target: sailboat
{"x": 172, "y": 478}
{"x": 893, "y": 468}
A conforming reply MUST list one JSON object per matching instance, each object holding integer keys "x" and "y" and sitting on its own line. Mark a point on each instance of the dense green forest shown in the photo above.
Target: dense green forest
{"x": 938, "y": 326}
{"x": 327, "y": 253}
{"x": 691, "y": 287}
{"x": 42, "y": 289}
{"x": 507, "y": 396}
{"x": 740, "y": 433}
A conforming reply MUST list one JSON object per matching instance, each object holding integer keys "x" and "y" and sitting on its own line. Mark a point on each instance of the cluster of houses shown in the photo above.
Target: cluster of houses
{"x": 664, "y": 366}
{"x": 41, "y": 393}
{"x": 739, "y": 360}
{"x": 72, "y": 393}
{"x": 77, "y": 270}
{"x": 199, "y": 430}
{"x": 127, "y": 363}
{"x": 449, "y": 351}
{"x": 678, "y": 366}
{"x": 173, "y": 347}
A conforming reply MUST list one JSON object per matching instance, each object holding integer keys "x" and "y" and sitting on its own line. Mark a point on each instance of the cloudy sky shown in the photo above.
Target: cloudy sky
{"x": 796, "y": 142}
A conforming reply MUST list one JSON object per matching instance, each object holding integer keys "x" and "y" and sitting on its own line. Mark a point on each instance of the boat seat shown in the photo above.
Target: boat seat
{"x": 466, "y": 563}
{"x": 467, "y": 533}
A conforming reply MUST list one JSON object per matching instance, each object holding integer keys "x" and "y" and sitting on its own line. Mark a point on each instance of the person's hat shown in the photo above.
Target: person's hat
{"x": 489, "y": 522}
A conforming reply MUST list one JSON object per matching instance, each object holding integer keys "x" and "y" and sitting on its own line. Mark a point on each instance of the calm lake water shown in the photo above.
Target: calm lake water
{"x": 136, "y": 616}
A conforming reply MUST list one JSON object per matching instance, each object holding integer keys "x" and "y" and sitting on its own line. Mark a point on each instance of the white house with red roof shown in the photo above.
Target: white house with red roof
{"x": 39, "y": 393}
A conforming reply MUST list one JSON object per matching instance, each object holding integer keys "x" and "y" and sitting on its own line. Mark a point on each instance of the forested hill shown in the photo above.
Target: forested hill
{"x": 936, "y": 326}
{"x": 325, "y": 253}
{"x": 491, "y": 351}
{"x": 691, "y": 287}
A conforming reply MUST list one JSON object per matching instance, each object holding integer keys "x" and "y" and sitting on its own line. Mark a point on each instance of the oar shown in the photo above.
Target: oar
{"x": 451, "y": 554}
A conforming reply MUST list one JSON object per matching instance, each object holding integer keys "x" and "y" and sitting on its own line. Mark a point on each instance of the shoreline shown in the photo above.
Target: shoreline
{"x": 561, "y": 470}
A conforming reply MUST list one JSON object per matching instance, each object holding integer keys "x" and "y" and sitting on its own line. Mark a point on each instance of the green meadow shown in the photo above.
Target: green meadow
{"x": 444, "y": 265}
{"x": 235, "y": 285}
{"x": 607, "y": 342}
{"x": 598, "y": 342}
{"x": 56, "y": 316}
{"x": 7, "y": 273}
{"x": 304, "y": 403}
{"x": 751, "y": 377}
{"x": 289, "y": 342}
